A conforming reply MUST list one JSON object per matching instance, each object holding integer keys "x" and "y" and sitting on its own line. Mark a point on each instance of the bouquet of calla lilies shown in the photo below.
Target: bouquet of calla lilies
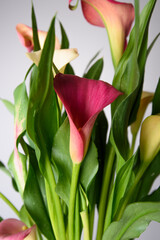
{"x": 68, "y": 163}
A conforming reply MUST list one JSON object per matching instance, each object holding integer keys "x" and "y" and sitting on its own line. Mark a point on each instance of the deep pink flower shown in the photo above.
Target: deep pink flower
{"x": 25, "y": 35}
{"x": 13, "y": 229}
{"x": 116, "y": 17}
{"x": 83, "y": 99}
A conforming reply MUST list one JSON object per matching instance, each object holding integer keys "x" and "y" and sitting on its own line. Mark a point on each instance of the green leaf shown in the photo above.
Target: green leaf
{"x": 9, "y": 105}
{"x": 134, "y": 221}
{"x": 149, "y": 177}
{"x": 129, "y": 79}
{"x": 90, "y": 62}
{"x": 94, "y": 72}
{"x": 69, "y": 69}
{"x": 5, "y": 170}
{"x": 121, "y": 183}
{"x": 35, "y": 31}
{"x": 64, "y": 41}
{"x": 153, "y": 197}
{"x": 63, "y": 162}
{"x": 17, "y": 161}
{"x": 1, "y": 219}
{"x": 25, "y": 217}
{"x": 43, "y": 112}
{"x": 35, "y": 205}
{"x": 152, "y": 44}
{"x": 156, "y": 100}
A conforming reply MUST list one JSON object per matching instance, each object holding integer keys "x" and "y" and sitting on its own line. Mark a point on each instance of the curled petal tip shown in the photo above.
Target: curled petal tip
{"x": 25, "y": 36}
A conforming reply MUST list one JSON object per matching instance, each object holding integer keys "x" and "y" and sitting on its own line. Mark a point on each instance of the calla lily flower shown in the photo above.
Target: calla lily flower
{"x": 83, "y": 99}
{"x": 116, "y": 17}
{"x": 25, "y": 35}
{"x": 13, "y": 229}
{"x": 150, "y": 138}
{"x": 60, "y": 58}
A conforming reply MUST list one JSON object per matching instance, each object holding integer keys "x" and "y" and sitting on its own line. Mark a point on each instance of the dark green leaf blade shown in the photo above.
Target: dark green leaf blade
{"x": 35, "y": 205}
{"x": 156, "y": 100}
{"x": 94, "y": 72}
{"x": 64, "y": 41}
{"x": 35, "y": 31}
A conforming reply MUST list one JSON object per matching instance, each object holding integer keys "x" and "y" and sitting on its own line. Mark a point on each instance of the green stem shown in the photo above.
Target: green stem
{"x": 74, "y": 182}
{"x": 6, "y": 200}
{"x": 128, "y": 197}
{"x": 91, "y": 218}
{"x": 77, "y": 218}
{"x": 104, "y": 192}
{"x": 85, "y": 221}
{"x": 54, "y": 205}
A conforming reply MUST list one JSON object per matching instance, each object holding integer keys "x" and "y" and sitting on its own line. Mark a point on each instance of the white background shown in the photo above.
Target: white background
{"x": 14, "y": 64}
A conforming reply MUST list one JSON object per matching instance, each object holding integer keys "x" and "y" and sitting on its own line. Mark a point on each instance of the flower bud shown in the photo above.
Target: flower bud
{"x": 150, "y": 138}
{"x": 146, "y": 98}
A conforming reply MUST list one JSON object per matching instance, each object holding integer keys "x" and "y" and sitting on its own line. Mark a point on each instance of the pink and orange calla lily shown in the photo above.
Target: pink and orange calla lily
{"x": 25, "y": 35}
{"x": 116, "y": 17}
{"x": 83, "y": 100}
{"x": 13, "y": 229}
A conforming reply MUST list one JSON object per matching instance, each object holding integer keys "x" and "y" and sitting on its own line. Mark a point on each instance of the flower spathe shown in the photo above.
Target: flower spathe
{"x": 25, "y": 35}
{"x": 13, "y": 229}
{"x": 150, "y": 138}
{"x": 116, "y": 17}
{"x": 83, "y": 99}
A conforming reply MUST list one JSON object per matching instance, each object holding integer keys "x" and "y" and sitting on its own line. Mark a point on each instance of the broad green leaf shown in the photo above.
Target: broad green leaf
{"x": 17, "y": 161}
{"x": 9, "y": 105}
{"x": 1, "y": 219}
{"x": 64, "y": 41}
{"x": 25, "y": 217}
{"x": 156, "y": 100}
{"x": 35, "y": 205}
{"x": 134, "y": 221}
{"x": 129, "y": 79}
{"x": 35, "y": 31}
{"x": 99, "y": 135}
{"x": 63, "y": 162}
{"x": 94, "y": 72}
{"x": 42, "y": 119}
{"x": 121, "y": 183}
{"x": 150, "y": 175}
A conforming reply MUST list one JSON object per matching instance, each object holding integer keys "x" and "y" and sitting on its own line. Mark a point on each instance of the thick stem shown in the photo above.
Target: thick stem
{"x": 54, "y": 205}
{"x": 73, "y": 190}
{"x": 85, "y": 221}
{"x": 77, "y": 218}
{"x": 104, "y": 192}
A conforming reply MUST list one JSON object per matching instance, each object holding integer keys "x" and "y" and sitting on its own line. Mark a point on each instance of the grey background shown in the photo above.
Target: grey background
{"x": 14, "y": 64}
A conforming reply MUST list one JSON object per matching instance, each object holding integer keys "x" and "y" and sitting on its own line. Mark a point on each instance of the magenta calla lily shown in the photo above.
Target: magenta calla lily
{"x": 13, "y": 229}
{"x": 25, "y": 35}
{"x": 116, "y": 17}
{"x": 83, "y": 99}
